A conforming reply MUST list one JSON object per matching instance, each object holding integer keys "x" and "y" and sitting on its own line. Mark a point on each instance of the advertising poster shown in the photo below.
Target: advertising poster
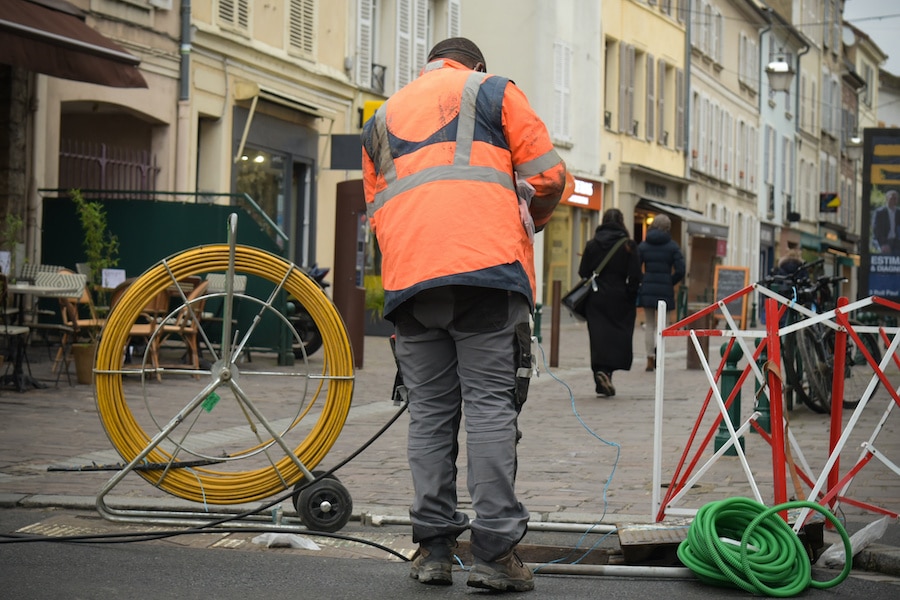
{"x": 879, "y": 270}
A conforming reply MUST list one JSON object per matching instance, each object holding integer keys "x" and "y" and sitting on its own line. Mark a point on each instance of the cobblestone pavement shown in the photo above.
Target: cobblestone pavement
{"x": 582, "y": 458}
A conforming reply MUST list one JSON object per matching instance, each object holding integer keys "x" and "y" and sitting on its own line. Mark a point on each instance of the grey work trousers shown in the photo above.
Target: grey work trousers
{"x": 456, "y": 350}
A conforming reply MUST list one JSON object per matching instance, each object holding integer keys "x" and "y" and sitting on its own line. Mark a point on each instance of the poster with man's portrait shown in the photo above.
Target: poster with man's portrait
{"x": 880, "y": 244}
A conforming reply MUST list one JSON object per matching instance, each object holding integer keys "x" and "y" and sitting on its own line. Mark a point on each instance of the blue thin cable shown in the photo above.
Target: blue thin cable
{"x": 609, "y": 479}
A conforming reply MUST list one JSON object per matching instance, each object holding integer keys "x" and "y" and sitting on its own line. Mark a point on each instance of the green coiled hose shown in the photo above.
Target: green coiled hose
{"x": 769, "y": 559}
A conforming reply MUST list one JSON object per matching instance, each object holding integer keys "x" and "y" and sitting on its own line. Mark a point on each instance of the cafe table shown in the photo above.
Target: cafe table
{"x": 21, "y": 290}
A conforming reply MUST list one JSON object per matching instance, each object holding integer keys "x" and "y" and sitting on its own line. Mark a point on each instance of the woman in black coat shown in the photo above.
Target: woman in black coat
{"x": 663, "y": 264}
{"x": 610, "y": 308}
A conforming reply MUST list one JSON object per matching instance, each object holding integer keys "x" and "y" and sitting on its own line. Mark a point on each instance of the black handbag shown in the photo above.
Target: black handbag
{"x": 575, "y": 299}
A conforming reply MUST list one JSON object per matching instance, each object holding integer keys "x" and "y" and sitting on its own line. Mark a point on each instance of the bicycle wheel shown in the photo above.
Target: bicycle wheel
{"x": 794, "y": 374}
{"x": 816, "y": 370}
{"x": 857, "y": 372}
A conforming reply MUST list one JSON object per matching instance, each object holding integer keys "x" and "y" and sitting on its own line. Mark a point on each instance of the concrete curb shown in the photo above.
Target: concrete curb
{"x": 877, "y": 558}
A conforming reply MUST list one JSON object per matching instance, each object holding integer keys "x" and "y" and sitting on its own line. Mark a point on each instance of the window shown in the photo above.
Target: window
{"x": 417, "y": 30}
{"x": 869, "y": 74}
{"x": 302, "y": 28}
{"x": 679, "y": 109}
{"x": 787, "y": 169}
{"x": 811, "y": 21}
{"x": 650, "y": 126}
{"x": 813, "y": 103}
{"x": 695, "y": 130}
{"x": 727, "y": 168}
{"x": 748, "y": 62}
{"x": 235, "y": 14}
{"x": 626, "y": 88}
{"x": 366, "y": 31}
{"x": 663, "y": 132}
{"x": 562, "y": 77}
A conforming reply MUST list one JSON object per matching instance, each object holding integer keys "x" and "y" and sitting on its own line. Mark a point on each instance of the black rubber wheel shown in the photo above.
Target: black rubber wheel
{"x": 324, "y": 506}
{"x": 794, "y": 375}
{"x": 857, "y": 371}
{"x": 817, "y": 371}
{"x": 309, "y": 334}
{"x": 317, "y": 474}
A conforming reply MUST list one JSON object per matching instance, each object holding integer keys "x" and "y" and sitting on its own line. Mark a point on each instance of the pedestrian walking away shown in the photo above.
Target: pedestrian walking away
{"x": 610, "y": 307}
{"x": 459, "y": 174}
{"x": 663, "y": 264}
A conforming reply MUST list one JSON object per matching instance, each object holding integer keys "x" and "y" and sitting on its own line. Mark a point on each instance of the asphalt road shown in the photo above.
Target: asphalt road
{"x": 177, "y": 568}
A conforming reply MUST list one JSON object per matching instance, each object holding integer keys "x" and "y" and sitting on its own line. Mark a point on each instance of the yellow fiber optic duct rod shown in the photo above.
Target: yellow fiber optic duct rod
{"x": 203, "y": 484}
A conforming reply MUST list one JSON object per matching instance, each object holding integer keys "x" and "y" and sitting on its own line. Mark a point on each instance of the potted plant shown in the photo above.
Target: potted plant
{"x": 100, "y": 246}
{"x": 375, "y": 321}
{"x": 101, "y": 249}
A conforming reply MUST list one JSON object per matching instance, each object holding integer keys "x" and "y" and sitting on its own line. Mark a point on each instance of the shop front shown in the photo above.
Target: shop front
{"x": 570, "y": 228}
{"x": 703, "y": 241}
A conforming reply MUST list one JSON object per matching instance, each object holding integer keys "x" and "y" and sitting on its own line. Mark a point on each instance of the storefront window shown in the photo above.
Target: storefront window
{"x": 261, "y": 175}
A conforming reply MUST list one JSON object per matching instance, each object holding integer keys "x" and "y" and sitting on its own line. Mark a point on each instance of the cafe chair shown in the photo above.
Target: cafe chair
{"x": 76, "y": 326}
{"x": 30, "y": 271}
{"x": 185, "y": 325}
{"x": 143, "y": 328}
{"x": 215, "y": 316}
{"x": 16, "y": 337}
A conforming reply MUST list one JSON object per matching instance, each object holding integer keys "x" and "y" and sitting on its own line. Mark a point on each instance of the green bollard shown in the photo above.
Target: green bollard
{"x": 762, "y": 400}
{"x": 730, "y": 376}
{"x": 537, "y": 321}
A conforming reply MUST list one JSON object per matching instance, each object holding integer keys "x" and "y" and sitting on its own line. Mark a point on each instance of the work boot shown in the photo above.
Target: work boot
{"x": 604, "y": 384}
{"x": 505, "y": 574}
{"x": 433, "y": 562}
{"x": 651, "y": 363}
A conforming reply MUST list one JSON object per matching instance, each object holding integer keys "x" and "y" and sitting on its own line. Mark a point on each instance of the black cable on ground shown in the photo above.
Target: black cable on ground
{"x": 213, "y": 526}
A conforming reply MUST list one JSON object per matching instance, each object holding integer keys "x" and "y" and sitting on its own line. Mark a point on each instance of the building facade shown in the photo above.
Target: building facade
{"x": 657, "y": 107}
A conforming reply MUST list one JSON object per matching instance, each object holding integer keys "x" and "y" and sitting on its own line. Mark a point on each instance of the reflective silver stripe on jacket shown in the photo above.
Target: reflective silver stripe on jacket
{"x": 461, "y": 169}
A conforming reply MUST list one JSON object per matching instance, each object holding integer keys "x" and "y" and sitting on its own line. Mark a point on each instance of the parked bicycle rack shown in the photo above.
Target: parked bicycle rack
{"x": 828, "y": 487}
{"x": 153, "y": 447}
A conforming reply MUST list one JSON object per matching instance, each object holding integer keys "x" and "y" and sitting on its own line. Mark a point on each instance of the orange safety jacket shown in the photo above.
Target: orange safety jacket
{"x": 438, "y": 171}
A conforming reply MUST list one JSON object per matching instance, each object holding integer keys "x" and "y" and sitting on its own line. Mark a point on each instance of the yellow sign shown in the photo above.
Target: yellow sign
{"x": 369, "y": 108}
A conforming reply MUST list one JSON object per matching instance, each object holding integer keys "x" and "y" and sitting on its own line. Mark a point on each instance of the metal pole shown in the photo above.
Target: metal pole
{"x": 837, "y": 401}
{"x": 775, "y": 405}
{"x": 729, "y": 378}
{"x": 554, "y": 327}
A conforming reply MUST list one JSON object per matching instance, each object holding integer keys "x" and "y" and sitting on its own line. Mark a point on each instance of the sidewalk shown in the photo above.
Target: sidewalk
{"x": 582, "y": 459}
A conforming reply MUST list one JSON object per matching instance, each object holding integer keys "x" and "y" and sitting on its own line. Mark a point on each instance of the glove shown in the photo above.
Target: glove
{"x": 525, "y": 192}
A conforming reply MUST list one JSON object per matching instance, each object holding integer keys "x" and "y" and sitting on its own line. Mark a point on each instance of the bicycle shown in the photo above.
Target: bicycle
{"x": 808, "y": 354}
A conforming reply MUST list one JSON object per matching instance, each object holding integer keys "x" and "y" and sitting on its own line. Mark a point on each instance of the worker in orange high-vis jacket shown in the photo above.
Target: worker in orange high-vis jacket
{"x": 442, "y": 162}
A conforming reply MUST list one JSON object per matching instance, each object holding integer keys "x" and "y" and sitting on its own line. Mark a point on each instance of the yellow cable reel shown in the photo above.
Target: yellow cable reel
{"x": 204, "y": 484}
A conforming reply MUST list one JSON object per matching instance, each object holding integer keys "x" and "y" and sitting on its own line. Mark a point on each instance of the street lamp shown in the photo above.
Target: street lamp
{"x": 854, "y": 148}
{"x": 780, "y": 74}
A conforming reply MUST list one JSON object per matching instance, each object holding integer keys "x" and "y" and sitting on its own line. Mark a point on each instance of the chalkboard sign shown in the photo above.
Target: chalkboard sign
{"x": 729, "y": 280}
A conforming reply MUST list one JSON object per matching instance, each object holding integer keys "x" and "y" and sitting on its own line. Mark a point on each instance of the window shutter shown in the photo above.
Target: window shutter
{"x": 562, "y": 64}
{"x": 302, "y": 27}
{"x": 704, "y": 121}
{"x": 364, "y": 43}
{"x": 650, "y": 127}
{"x": 679, "y": 109}
{"x": 623, "y": 87}
{"x": 729, "y": 150}
{"x": 629, "y": 92}
{"x": 235, "y": 13}
{"x": 404, "y": 43}
{"x": 420, "y": 39}
{"x": 661, "y": 103}
{"x": 453, "y": 17}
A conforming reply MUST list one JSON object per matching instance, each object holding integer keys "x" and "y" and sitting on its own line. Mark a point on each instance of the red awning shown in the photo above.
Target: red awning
{"x": 50, "y": 37}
